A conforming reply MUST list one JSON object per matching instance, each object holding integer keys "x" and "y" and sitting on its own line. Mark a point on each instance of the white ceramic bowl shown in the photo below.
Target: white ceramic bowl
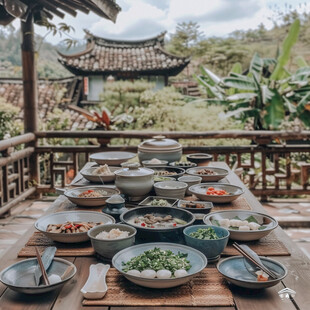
{"x": 19, "y": 276}
{"x": 190, "y": 180}
{"x": 148, "y": 163}
{"x": 73, "y": 195}
{"x": 71, "y": 216}
{"x": 200, "y": 191}
{"x": 219, "y": 173}
{"x": 196, "y": 258}
{"x": 173, "y": 189}
{"x": 267, "y": 221}
{"x": 98, "y": 178}
{"x": 112, "y": 158}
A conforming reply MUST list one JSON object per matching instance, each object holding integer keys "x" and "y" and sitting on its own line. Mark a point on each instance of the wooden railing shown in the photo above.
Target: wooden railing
{"x": 15, "y": 183}
{"x": 269, "y": 164}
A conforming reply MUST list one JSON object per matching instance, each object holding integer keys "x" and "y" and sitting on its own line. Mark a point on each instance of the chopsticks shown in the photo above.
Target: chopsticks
{"x": 44, "y": 274}
{"x": 253, "y": 260}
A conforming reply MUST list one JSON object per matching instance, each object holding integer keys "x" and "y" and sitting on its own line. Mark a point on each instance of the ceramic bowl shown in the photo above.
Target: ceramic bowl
{"x": 134, "y": 181}
{"x": 190, "y": 180}
{"x": 161, "y": 179}
{"x": 219, "y": 173}
{"x": 111, "y": 158}
{"x": 19, "y": 276}
{"x": 150, "y": 164}
{"x": 174, "y": 189}
{"x": 71, "y": 216}
{"x": 211, "y": 248}
{"x": 201, "y": 159}
{"x": 267, "y": 221}
{"x": 105, "y": 191}
{"x": 97, "y": 178}
{"x": 183, "y": 164}
{"x": 200, "y": 191}
{"x": 109, "y": 247}
{"x": 233, "y": 270}
{"x": 197, "y": 260}
{"x": 172, "y": 172}
{"x": 171, "y": 234}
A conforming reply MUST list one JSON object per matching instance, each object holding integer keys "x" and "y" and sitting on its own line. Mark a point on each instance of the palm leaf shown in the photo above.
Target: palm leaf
{"x": 256, "y": 66}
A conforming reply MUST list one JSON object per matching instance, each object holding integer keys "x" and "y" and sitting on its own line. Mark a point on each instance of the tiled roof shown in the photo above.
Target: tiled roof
{"x": 106, "y": 56}
{"x": 54, "y": 93}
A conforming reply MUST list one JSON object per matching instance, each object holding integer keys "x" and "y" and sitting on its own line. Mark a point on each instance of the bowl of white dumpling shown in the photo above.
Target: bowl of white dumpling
{"x": 159, "y": 264}
{"x": 243, "y": 225}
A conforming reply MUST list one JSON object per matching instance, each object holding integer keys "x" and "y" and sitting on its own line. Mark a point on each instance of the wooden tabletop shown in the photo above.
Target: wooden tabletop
{"x": 69, "y": 297}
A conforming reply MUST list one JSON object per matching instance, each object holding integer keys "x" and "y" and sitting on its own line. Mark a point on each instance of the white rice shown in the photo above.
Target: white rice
{"x": 114, "y": 233}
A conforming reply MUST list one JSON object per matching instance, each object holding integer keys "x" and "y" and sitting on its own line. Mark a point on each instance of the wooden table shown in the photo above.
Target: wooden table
{"x": 69, "y": 297}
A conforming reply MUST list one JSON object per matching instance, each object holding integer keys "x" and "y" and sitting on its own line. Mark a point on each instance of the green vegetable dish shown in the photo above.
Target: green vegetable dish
{"x": 157, "y": 259}
{"x": 205, "y": 234}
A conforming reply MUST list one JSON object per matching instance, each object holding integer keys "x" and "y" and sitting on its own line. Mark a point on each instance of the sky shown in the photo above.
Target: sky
{"x": 141, "y": 19}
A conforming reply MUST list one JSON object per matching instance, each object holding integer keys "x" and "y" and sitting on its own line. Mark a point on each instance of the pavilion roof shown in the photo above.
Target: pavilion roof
{"x": 46, "y": 9}
{"x": 107, "y": 56}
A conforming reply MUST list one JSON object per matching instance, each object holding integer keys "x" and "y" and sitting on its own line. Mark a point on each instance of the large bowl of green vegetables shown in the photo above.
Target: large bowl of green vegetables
{"x": 210, "y": 240}
{"x": 159, "y": 265}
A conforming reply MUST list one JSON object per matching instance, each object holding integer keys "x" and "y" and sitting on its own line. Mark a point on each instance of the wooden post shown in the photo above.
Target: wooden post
{"x": 30, "y": 90}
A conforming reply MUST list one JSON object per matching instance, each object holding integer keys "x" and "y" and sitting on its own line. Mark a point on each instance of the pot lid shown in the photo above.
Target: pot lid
{"x": 133, "y": 170}
{"x": 158, "y": 144}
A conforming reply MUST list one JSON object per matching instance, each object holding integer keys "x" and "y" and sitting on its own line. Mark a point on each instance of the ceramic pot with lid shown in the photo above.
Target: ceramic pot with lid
{"x": 133, "y": 180}
{"x": 161, "y": 148}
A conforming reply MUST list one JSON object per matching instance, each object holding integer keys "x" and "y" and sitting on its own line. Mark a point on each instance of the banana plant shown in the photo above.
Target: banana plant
{"x": 266, "y": 99}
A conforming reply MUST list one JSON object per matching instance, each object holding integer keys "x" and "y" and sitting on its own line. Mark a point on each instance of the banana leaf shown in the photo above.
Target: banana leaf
{"x": 237, "y": 112}
{"x": 241, "y": 96}
{"x": 239, "y": 83}
{"x": 236, "y": 68}
{"x": 288, "y": 43}
{"x": 304, "y": 104}
{"x": 275, "y": 110}
{"x": 290, "y": 106}
{"x": 269, "y": 61}
{"x": 212, "y": 91}
{"x": 301, "y": 62}
{"x": 212, "y": 77}
{"x": 237, "y": 105}
{"x": 256, "y": 66}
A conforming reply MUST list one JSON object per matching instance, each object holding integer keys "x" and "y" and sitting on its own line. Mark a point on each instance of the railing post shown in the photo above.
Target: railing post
{"x": 30, "y": 90}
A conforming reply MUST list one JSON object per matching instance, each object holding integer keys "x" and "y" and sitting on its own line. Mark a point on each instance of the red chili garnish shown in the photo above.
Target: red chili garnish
{"x": 174, "y": 224}
{"x": 152, "y": 226}
{"x": 143, "y": 225}
{"x": 68, "y": 226}
{"x": 90, "y": 191}
{"x": 77, "y": 225}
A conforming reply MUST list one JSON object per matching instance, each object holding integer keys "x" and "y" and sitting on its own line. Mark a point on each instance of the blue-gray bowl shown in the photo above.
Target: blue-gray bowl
{"x": 212, "y": 249}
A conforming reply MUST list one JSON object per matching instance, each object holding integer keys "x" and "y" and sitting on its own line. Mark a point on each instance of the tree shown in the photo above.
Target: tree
{"x": 186, "y": 38}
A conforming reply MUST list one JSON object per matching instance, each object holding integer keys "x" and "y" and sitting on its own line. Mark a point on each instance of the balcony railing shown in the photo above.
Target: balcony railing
{"x": 270, "y": 164}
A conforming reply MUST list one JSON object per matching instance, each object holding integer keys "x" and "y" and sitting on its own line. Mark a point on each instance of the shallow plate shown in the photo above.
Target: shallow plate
{"x": 96, "y": 178}
{"x": 179, "y": 171}
{"x": 234, "y": 271}
{"x": 200, "y": 190}
{"x": 71, "y": 216}
{"x": 73, "y": 195}
{"x": 262, "y": 219}
{"x": 147, "y": 201}
{"x": 205, "y": 210}
{"x": 19, "y": 277}
{"x": 219, "y": 173}
{"x": 111, "y": 158}
{"x": 183, "y": 164}
{"x": 196, "y": 258}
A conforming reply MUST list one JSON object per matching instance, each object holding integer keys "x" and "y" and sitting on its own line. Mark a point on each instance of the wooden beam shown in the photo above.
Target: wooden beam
{"x": 30, "y": 89}
{"x": 65, "y": 7}
{"x": 51, "y": 8}
{"x": 76, "y": 6}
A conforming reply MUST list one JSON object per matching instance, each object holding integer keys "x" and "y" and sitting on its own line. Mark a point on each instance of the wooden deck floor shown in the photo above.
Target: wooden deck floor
{"x": 293, "y": 216}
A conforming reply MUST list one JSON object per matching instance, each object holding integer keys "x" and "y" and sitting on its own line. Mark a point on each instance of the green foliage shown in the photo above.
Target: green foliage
{"x": 8, "y": 126}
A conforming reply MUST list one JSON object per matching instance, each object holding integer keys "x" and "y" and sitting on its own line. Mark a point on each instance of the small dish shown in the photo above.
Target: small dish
{"x": 233, "y": 270}
{"x": 205, "y": 207}
{"x": 190, "y": 180}
{"x": 168, "y": 171}
{"x": 97, "y": 178}
{"x": 20, "y": 276}
{"x": 201, "y": 159}
{"x": 182, "y": 164}
{"x": 212, "y": 174}
{"x": 111, "y": 158}
{"x": 148, "y": 201}
{"x": 155, "y": 163}
{"x": 96, "y": 286}
{"x": 200, "y": 190}
{"x": 105, "y": 191}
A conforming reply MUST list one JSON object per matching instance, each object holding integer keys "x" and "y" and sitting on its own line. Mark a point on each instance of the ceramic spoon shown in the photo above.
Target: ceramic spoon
{"x": 95, "y": 286}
